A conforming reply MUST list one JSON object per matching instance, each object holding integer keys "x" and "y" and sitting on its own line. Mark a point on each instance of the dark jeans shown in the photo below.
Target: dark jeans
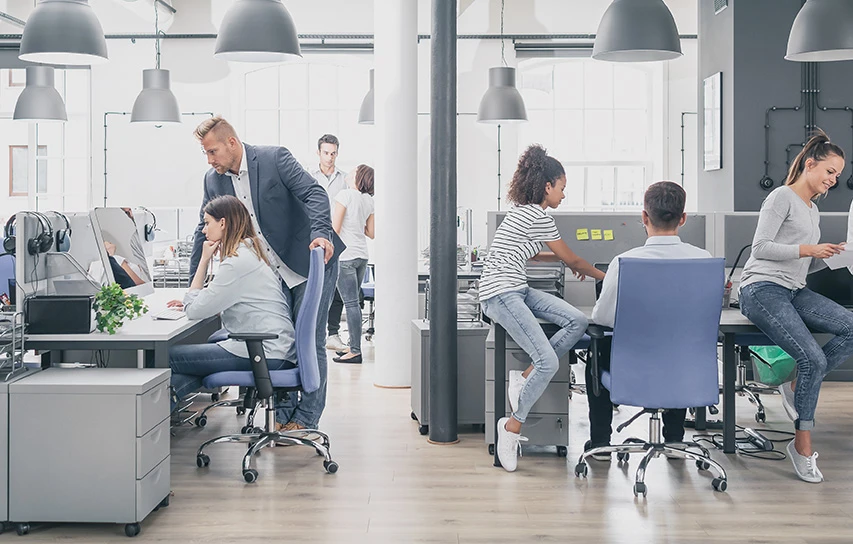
{"x": 787, "y": 317}
{"x": 349, "y": 286}
{"x": 601, "y": 408}
{"x": 335, "y": 311}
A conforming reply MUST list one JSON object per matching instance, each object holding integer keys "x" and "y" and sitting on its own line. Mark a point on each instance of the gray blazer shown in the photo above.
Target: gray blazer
{"x": 292, "y": 209}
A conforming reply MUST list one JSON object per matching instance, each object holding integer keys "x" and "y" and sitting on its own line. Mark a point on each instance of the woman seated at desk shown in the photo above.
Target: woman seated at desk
{"x": 245, "y": 293}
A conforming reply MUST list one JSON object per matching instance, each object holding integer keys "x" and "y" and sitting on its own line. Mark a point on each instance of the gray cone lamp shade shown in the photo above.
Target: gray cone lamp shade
{"x": 64, "y": 32}
{"x": 502, "y": 103}
{"x": 40, "y": 101}
{"x": 366, "y": 112}
{"x": 257, "y": 31}
{"x": 636, "y": 31}
{"x": 822, "y": 31}
{"x": 155, "y": 104}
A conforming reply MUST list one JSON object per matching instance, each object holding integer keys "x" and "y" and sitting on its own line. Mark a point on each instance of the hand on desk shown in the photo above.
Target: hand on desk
{"x": 176, "y": 304}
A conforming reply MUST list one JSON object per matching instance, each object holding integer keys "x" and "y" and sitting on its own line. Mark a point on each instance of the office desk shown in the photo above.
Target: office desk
{"x": 154, "y": 337}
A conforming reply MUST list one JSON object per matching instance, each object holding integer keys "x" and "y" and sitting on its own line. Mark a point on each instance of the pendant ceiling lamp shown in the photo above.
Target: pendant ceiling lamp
{"x": 257, "y": 31}
{"x": 155, "y": 103}
{"x": 636, "y": 31}
{"x": 365, "y": 113}
{"x": 64, "y": 32}
{"x": 40, "y": 101}
{"x": 502, "y": 103}
{"x": 822, "y": 31}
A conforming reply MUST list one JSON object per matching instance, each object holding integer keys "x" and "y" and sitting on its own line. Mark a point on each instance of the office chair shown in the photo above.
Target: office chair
{"x": 305, "y": 376}
{"x": 664, "y": 353}
{"x": 7, "y": 275}
{"x": 368, "y": 290}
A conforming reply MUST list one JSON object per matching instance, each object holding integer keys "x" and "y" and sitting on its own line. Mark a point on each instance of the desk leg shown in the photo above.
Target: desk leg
{"x": 140, "y": 358}
{"x": 157, "y": 357}
{"x": 729, "y": 376}
{"x": 500, "y": 381}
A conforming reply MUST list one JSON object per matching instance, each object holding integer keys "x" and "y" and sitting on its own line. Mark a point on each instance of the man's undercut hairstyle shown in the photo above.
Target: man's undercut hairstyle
{"x": 221, "y": 128}
{"x": 664, "y": 203}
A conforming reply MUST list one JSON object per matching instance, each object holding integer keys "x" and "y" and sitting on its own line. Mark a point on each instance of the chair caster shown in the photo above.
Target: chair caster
{"x": 202, "y": 460}
{"x": 413, "y": 416}
{"x": 623, "y": 457}
{"x": 719, "y": 484}
{"x": 423, "y": 429}
{"x": 760, "y": 417}
{"x": 131, "y": 529}
{"x": 330, "y": 466}
{"x": 251, "y": 476}
{"x": 703, "y": 465}
{"x": 581, "y": 470}
{"x": 23, "y": 529}
{"x": 241, "y": 410}
{"x": 640, "y": 489}
{"x": 713, "y": 410}
{"x": 562, "y": 451}
{"x": 246, "y": 429}
{"x": 491, "y": 449}
{"x": 201, "y": 421}
{"x": 214, "y": 397}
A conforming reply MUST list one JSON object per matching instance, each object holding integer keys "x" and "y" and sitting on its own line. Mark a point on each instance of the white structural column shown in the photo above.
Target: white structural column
{"x": 396, "y": 125}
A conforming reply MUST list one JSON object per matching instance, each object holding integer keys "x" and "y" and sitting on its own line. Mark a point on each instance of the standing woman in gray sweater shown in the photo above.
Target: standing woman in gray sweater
{"x": 774, "y": 296}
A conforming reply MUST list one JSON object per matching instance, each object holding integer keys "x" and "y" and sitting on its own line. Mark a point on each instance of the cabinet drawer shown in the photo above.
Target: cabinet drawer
{"x": 152, "y": 448}
{"x": 153, "y": 488}
{"x": 554, "y": 400}
{"x": 540, "y": 429}
{"x": 563, "y": 373}
{"x": 152, "y": 408}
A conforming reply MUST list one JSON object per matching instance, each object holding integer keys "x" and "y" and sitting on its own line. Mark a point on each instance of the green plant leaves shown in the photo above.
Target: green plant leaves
{"x": 113, "y": 307}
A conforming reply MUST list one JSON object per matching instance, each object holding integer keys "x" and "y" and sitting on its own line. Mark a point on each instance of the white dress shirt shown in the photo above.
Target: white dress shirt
{"x": 244, "y": 193}
{"x": 657, "y": 247}
{"x": 333, "y": 184}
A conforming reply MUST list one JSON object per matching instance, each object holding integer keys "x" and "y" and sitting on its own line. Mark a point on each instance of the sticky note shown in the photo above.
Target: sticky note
{"x": 596, "y": 234}
{"x": 608, "y": 235}
{"x": 583, "y": 234}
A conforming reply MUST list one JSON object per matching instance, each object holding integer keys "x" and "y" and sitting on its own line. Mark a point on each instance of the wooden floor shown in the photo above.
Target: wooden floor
{"x": 394, "y": 487}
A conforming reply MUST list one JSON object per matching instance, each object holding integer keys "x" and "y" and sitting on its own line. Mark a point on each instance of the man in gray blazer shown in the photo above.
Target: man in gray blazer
{"x": 292, "y": 216}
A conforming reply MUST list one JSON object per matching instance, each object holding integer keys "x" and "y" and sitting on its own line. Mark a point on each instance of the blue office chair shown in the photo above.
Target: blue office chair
{"x": 664, "y": 353}
{"x": 305, "y": 376}
{"x": 368, "y": 291}
{"x": 7, "y": 275}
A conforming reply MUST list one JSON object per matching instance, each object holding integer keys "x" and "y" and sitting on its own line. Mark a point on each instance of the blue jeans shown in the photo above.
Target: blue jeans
{"x": 517, "y": 312}
{"x": 307, "y": 410}
{"x": 786, "y": 317}
{"x": 349, "y": 286}
{"x": 191, "y": 363}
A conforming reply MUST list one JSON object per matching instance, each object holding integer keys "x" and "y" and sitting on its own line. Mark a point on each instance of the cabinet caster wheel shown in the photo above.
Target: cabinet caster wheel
{"x": 622, "y": 457}
{"x": 562, "y": 451}
{"x": 760, "y": 417}
{"x": 22, "y": 529}
{"x": 413, "y": 416}
{"x": 640, "y": 489}
{"x": 241, "y": 411}
{"x": 330, "y": 466}
{"x": 251, "y": 476}
{"x": 423, "y": 429}
{"x": 214, "y": 397}
{"x": 202, "y": 461}
{"x": 491, "y": 449}
{"x": 201, "y": 421}
{"x": 165, "y": 502}
{"x": 719, "y": 484}
{"x": 703, "y": 465}
{"x": 581, "y": 470}
{"x": 131, "y": 529}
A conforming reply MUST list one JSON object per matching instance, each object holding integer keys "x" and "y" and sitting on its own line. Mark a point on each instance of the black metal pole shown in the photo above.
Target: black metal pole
{"x": 442, "y": 254}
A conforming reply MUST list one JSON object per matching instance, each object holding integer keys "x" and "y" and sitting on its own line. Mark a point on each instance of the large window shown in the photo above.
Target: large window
{"x": 597, "y": 118}
{"x": 18, "y": 170}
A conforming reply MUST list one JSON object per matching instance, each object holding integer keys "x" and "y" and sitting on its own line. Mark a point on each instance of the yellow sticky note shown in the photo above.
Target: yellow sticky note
{"x": 608, "y": 235}
{"x": 583, "y": 234}
{"x": 596, "y": 234}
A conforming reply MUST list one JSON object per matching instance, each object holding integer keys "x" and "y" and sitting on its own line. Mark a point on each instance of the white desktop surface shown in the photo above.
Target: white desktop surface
{"x": 144, "y": 328}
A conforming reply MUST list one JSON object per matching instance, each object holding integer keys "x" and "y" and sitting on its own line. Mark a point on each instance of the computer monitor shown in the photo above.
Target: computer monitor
{"x": 836, "y": 285}
{"x": 117, "y": 232}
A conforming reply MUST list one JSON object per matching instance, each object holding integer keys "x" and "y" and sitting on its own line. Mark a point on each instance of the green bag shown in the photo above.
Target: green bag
{"x": 771, "y": 365}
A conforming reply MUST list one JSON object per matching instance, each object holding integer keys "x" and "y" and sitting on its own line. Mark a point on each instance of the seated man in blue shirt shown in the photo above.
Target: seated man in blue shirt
{"x": 663, "y": 214}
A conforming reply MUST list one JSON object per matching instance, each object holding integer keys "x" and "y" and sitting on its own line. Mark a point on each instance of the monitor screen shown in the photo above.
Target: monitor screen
{"x": 836, "y": 285}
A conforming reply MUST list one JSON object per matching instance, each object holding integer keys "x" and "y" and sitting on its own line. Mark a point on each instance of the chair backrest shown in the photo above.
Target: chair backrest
{"x": 664, "y": 352}
{"x": 7, "y": 272}
{"x": 306, "y": 324}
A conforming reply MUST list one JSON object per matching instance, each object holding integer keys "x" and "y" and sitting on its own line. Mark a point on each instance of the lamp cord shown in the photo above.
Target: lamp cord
{"x": 503, "y": 57}
{"x": 157, "y": 35}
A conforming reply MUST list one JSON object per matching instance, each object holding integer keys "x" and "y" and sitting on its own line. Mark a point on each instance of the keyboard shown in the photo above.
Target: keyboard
{"x": 168, "y": 313}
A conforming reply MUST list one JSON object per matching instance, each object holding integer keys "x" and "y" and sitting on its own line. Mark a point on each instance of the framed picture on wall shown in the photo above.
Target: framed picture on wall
{"x": 713, "y": 112}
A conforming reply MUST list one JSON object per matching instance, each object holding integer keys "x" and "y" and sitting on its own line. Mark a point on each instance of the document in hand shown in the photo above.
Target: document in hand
{"x": 845, "y": 258}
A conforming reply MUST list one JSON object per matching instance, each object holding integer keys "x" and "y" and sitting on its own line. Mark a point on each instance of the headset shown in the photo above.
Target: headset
{"x": 63, "y": 236}
{"x": 41, "y": 243}
{"x": 148, "y": 229}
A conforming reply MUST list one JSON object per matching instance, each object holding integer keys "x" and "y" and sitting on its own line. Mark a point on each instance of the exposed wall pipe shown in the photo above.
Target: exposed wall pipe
{"x": 682, "y": 143}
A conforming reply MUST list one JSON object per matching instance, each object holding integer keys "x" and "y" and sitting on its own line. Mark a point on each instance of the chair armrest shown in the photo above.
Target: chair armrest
{"x": 597, "y": 331}
{"x": 260, "y": 371}
{"x": 249, "y": 336}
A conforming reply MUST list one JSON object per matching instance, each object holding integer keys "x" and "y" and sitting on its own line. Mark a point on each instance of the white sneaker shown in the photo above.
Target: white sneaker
{"x": 516, "y": 383}
{"x": 334, "y": 342}
{"x": 508, "y": 445}
{"x": 806, "y": 467}
{"x": 788, "y": 401}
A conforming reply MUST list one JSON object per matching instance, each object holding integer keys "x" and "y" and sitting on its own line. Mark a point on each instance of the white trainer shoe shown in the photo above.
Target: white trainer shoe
{"x": 516, "y": 383}
{"x": 508, "y": 446}
{"x": 806, "y": 467}
{"x": 788, "y": 401}
{"x": 334, "y": 342}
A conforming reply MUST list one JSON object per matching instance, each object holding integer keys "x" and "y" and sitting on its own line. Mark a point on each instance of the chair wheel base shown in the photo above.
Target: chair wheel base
{"x": 202, "y": 461}
{"x": 640, "y": 489}
{"x": 719, "y": 484}
{"x": 623, "y": 457}
{"x": 581, "y": 470}
{"x": 201, "y": 421}
{"x": 703, "y": 465}
{"x": 251, "y": 476}
{"x": 330, "y": 466}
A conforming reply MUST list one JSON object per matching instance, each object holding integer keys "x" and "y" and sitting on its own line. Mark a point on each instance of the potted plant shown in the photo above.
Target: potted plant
{"x": 113, "y": 306}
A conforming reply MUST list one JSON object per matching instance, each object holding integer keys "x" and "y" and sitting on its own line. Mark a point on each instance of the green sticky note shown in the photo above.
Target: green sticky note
{"x": 596, "y": 234}
{"x": 608, "y": 235}
{"x": 583, "y": 234}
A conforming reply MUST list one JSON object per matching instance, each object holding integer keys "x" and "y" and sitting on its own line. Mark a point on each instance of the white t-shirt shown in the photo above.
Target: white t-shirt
{"x": 518, "y": 238}
{"x": 359, "y": 206}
